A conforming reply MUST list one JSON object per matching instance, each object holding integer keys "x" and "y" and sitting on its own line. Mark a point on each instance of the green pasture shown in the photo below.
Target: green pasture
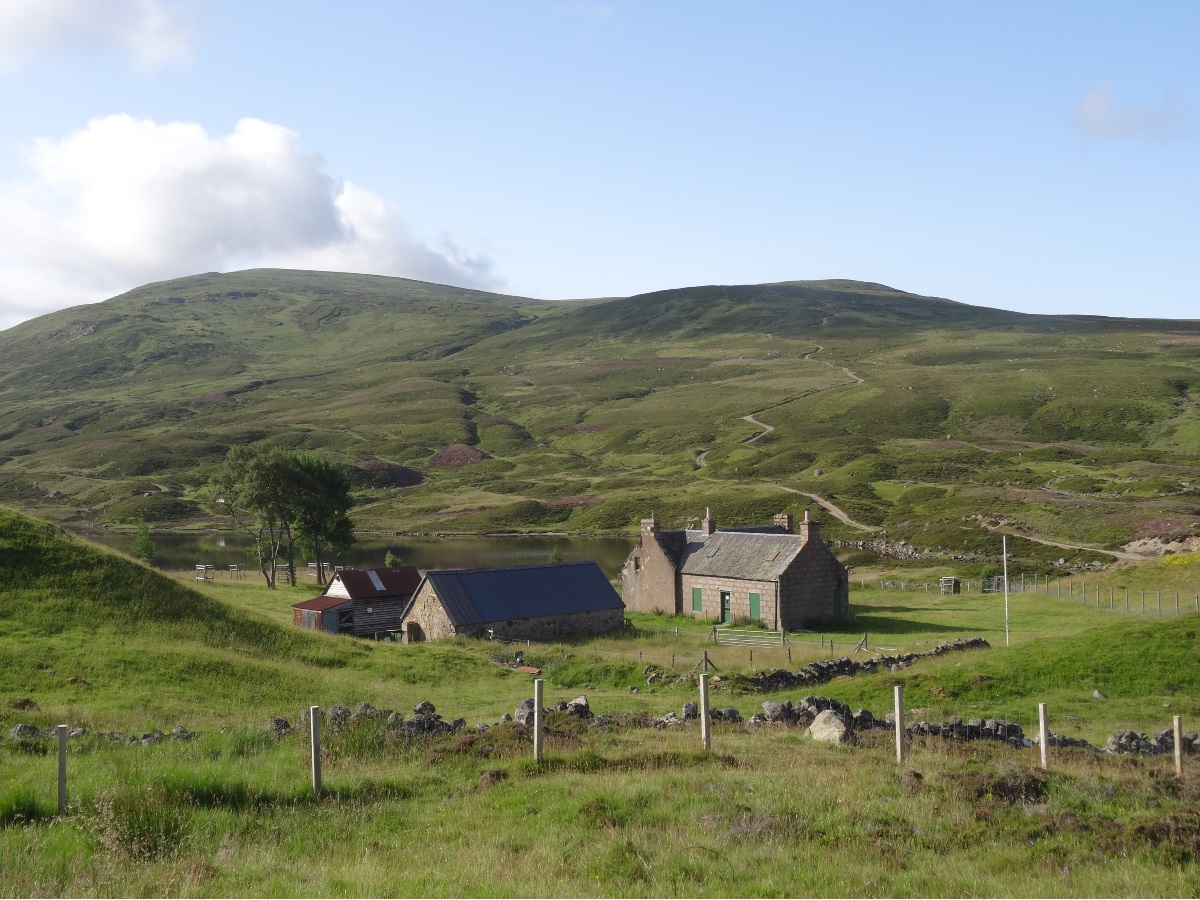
{"x": 101, "y": 641}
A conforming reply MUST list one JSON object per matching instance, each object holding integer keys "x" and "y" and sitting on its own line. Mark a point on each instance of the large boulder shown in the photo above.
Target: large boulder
{"x": 828, "y": 728}
{"x": 24, "y": 731}
{"x": 579, "y": 707}
{"x": 524, "y": 713}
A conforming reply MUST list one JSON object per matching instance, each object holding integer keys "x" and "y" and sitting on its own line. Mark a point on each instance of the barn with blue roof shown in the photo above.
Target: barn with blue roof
{"x": 535, "y": 603}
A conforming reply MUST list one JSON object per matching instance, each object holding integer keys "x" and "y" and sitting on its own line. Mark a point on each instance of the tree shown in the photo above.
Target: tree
{"x": 285, "y": 502}
{"x": 142, "y": 546}
{"x": 392, "y": 561}
{"x": 258, "y": 486}
{"x": 555, "y": 555}
{"x": 321, "y": 518}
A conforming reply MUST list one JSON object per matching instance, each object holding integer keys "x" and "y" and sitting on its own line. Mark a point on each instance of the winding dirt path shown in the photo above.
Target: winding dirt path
{"x": 1119, "y": 554}
{"x": 766, "y": 429}
{"x": 830, "y": 508}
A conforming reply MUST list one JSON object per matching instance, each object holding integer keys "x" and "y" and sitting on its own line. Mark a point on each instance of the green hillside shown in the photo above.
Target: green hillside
{"x": 934, "y": 421}
{"x": 90, "y": 638}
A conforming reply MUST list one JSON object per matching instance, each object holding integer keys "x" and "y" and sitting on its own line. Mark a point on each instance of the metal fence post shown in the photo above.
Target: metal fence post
{"x": 537, "y": 720}
{"x": 705, "y": 721}
{"x": 314, "y": 733}
{"x": 899, "y": 696}
{"x": 62, "y": 769}
{"x": 1177, "y": 727}
{"x": 1043, "y": 736}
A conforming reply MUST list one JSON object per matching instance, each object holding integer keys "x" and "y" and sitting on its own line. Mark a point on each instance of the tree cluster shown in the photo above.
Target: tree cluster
{"x": 287, "y": 503}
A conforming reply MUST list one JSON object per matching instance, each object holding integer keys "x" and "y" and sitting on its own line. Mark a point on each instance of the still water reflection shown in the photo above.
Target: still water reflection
{"x": 223, "y": 549}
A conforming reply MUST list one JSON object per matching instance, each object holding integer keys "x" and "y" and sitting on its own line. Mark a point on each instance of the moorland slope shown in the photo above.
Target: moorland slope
{"x": 936, "y": 422}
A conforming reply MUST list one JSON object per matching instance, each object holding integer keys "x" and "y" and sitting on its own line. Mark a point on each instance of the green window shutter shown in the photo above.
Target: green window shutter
{"x": 697, "y": 600}
{"x": 755, "y": 603}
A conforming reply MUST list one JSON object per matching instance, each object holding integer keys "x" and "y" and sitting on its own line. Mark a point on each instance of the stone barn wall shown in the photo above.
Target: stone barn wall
{"x": 553, "y": 628}
{"x": 429, "y": 615}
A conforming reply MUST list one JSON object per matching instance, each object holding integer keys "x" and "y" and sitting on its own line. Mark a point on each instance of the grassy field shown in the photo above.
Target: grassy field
{"x": 98, "y": 640}
{"x": 930, "y": 420}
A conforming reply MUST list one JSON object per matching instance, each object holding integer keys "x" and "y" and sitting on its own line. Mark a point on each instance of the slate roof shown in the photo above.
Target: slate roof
{"x": 402, "y": 582}
{"x": 747, "y": 555}
{"x": 479, "y": 596}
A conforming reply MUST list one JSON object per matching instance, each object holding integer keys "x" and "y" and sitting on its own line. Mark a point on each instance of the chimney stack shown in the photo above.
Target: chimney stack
{"x": 810, "y": 530}
{"x": 784, "y": 521}
{"x": 649, "y": 526}
{"x": 709, "y": 525}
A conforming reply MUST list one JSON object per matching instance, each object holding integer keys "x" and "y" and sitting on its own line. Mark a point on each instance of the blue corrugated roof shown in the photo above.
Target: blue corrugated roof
{"x": 476, "y": 596}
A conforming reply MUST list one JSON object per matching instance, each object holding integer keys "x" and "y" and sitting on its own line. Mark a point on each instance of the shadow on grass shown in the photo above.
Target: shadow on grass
{"x": 589, "y": 761}
{"x": 881, "y": 626}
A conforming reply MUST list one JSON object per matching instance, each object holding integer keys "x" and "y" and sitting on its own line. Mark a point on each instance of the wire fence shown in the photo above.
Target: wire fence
{"x": 1152, "y": 602}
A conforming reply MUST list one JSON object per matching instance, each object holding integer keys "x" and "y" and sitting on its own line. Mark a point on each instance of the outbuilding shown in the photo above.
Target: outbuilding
{"x": 361, "y": 602}
{"x": 536, "y": 603}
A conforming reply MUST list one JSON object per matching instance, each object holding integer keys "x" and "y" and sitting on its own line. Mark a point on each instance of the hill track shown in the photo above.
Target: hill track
{"x": 829, "y": 507}
{"x": 1124, "y": 555}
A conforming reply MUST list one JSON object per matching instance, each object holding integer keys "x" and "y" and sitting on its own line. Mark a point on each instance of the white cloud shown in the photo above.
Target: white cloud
{"x": 123, "y": 201}
{"x": 1099, "y": 117}
{"x": 150, "y": 32}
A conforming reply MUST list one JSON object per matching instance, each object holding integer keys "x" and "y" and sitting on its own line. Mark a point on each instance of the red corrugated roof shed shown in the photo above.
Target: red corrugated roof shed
{"x": 359, "y": 584}
{"x": 320, "y": 604}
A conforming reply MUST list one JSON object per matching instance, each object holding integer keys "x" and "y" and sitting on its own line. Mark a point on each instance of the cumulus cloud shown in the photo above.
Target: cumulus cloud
{"x": 1098, "y": 117}
{"x": 123, "y": 201}
{"x": 149, "y": 32}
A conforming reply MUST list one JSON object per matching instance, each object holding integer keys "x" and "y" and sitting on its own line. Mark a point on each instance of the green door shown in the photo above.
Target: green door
{"x": 726, "y": 608}
{"x": 756, "y": 606}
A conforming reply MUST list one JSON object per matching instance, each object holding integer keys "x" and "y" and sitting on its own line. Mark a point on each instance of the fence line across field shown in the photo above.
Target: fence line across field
{"x": 901, "y": 719}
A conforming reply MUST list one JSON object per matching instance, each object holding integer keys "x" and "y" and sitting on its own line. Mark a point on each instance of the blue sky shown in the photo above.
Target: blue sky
{"x": 1036, "y": 157}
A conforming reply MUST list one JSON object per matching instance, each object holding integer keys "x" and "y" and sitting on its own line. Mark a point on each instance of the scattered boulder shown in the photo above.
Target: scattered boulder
{"x": 279, "y": 727}
{"x": 424, "y": 708}
{"x": 829, "y": 729}
{"x": 524, "y": 714}
{"x": 691, "y": 710}
{"x": 579, "y": 708}
{"x": 1098, "y": 695}
{"x": 179, "y": 733}
{"x": 24, "y": 732}
{"x": 774, "y": 711}
{"x": 339, "y": 716}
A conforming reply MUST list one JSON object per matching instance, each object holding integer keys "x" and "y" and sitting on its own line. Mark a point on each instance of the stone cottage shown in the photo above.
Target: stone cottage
{"x": 537, "y": 603}
{"x": 785, "y": 579}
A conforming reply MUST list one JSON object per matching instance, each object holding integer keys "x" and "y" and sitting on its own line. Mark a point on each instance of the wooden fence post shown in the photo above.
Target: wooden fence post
{"x": 1159, "y": 604}
{"x": 1177, "y": 727}
{"x": 62, "y": 769}
{"x": 705, "y": 721}
{"x": 314, "y": 733}
{"x": 1043, "y": 736}
{"x": 899, "y": 696}
{"x": 537, "y": 720}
